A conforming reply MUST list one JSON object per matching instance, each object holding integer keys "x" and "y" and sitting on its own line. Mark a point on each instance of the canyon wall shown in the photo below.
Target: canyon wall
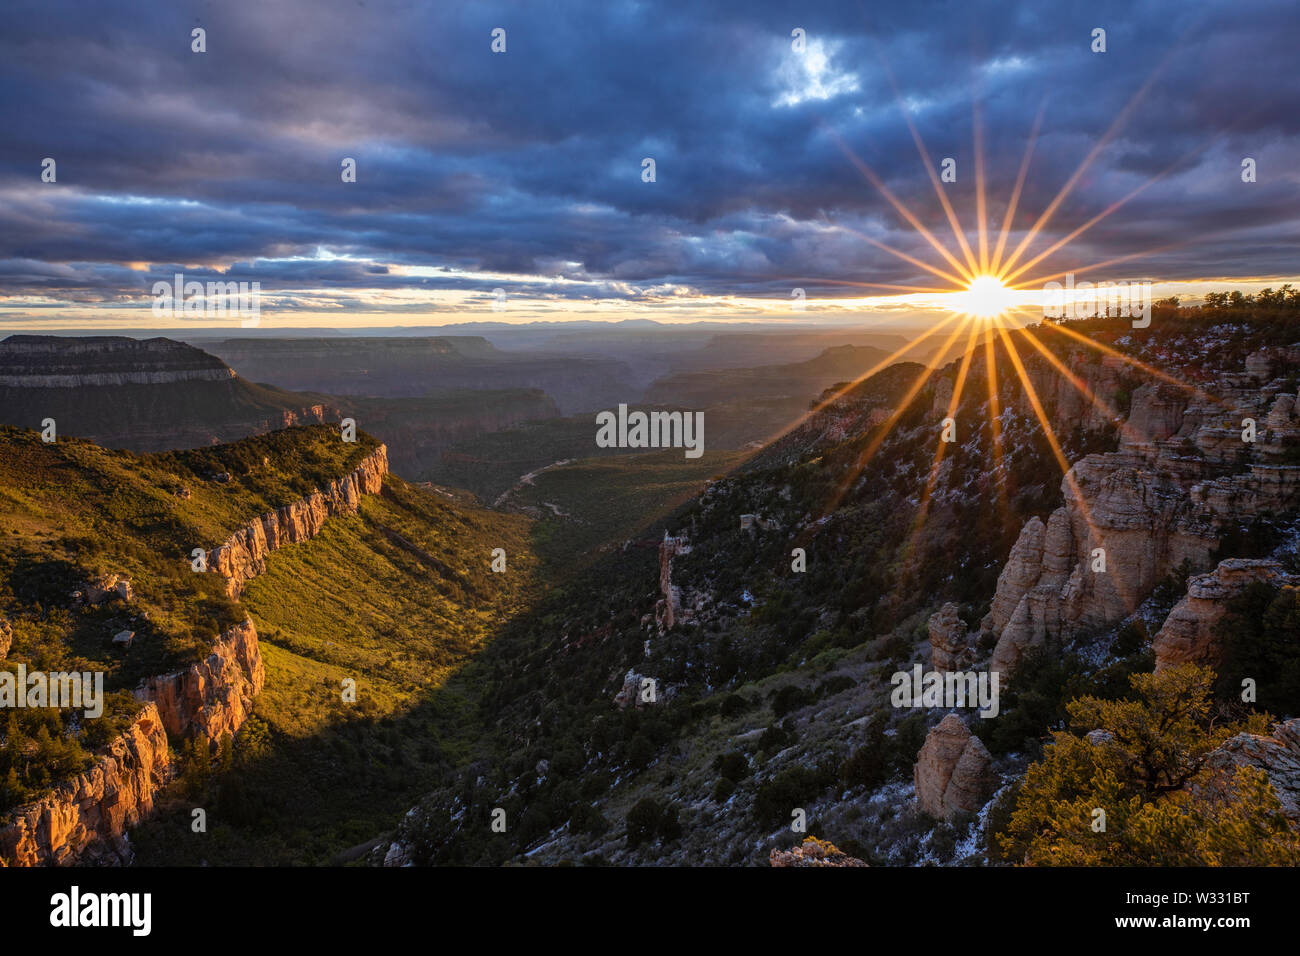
{"x": 143, "y": 394}
{"x": 1182, "y": 477}
{"x": 84, "y": 820}
{"x": 53, "y": 361}
{"x": 211, "y": 698}
{"x": 242, "y": 556}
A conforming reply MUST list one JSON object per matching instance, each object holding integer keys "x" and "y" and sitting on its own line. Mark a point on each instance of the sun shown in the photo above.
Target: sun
{"x": 985, "y": 298}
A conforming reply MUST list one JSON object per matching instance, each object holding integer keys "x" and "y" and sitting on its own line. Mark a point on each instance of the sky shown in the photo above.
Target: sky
{"x": 512, "y": 185}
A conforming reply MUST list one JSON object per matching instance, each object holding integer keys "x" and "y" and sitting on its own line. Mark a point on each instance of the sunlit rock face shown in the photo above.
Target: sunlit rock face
{"x": 84, "y": 820}
{"x": 213, "y": 697}
{"x": 242, "y": 556}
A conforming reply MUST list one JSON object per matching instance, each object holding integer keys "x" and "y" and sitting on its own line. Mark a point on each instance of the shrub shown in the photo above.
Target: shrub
{"x": 778, "y": 797}
{"x": 734, "y": 705}
{"x": 732, "y": 766}
{"x": 650, "y": 819}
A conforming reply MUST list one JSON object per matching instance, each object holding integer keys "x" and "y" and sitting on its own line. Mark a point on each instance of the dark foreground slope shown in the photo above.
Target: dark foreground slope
{"x": 689, "y": 704}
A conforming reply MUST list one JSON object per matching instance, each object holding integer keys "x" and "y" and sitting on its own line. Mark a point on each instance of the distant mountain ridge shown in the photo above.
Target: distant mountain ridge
{"x": 48, "y": 361}
{"x": 148, "y": 395}
{"x": 413, "y": 367}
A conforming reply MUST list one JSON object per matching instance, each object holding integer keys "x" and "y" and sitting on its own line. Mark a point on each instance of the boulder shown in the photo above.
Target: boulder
{"x": 813, "y": 852}
{"x": 1277, "y": 755}
{"x": 950, "y": 648}
{"x": 953, "y": 771}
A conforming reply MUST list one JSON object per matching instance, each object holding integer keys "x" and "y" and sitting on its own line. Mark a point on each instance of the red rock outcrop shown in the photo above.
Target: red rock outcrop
{"x": 214, "y": 696}
{"x": 668, "y": 611}
{"x": 242, "y": 556}
{"x": 952, "y": 771}
{"x": 84, "y": 820}
{"x": 1189, "y": 633}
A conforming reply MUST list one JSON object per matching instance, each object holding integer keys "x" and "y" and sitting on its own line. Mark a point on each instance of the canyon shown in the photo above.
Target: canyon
{"x": 144, "y": 394}
{"x": 86, "y": 819}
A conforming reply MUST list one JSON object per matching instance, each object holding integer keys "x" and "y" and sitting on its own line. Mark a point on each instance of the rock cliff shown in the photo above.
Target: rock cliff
{"x": 1189, "y": 633}
{"x": 53, "y": 361}
{"x": 143, "y": 394}
{"x": 242, "y": 556}
{"x": 669, "y": 609}
{"x": 84, "y": 820}
{"x": 1182, "y": 477}
{"x": 213, "y": 697}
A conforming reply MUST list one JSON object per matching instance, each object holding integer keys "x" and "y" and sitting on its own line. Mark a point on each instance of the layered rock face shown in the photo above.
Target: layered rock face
{"x": 6, "y": 637}
{"x": 143, "y": 394}
{"x": 213, "y": 697}
{"x": 242, "y": 556}
{"x": 1189, "y": 632}
{"x": 52, "y": 361}
{"x": 84, "y": 820}
{"x": 1182, "y": 475}
{"x": 953, "y": 770}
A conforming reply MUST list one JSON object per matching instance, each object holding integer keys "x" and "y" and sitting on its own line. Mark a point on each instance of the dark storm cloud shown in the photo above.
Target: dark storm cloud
{"x": 528, "y": 163}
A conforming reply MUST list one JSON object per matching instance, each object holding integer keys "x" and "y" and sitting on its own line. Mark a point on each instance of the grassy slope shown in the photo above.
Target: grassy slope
{"x": 397, "y": 598}
{"x": 71, "y": 512}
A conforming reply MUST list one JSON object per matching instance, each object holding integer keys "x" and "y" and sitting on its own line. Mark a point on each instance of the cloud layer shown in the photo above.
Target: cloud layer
{"x": 523, "y": 170}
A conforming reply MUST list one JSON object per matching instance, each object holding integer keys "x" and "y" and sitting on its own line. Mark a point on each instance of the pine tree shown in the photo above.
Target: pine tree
{"x": 1163, "y": 804}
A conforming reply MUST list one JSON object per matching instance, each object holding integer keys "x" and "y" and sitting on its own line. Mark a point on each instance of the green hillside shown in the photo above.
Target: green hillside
{"x": 394, "y": 597}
